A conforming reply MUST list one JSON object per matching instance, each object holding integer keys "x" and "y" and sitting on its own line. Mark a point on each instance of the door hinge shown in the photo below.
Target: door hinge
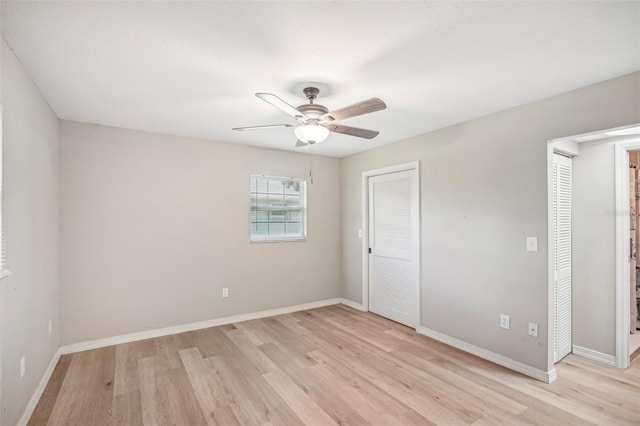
{"x": 369, "y": 250}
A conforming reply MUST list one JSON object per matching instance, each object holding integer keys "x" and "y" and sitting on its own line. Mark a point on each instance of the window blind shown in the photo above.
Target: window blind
{"x": 3, "y": 258}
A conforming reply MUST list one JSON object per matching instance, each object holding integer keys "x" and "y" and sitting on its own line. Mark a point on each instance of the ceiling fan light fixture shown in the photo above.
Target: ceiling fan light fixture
{"x": 311, "y": 132}
{"x": 316, "y": 121}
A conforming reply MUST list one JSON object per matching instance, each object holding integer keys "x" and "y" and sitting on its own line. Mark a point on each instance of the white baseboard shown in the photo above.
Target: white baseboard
{"x": 594, "y": 355}
{"x": 158, "y": 332}
{"x": 33, "y": 402}
{"x": 527, "y": 370}
{"x": 352, "y": 304}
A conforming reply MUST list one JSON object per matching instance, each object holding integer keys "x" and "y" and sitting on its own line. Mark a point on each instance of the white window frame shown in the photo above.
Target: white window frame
{"x": 4, "y": 272}
{"x": 303, "y": 212}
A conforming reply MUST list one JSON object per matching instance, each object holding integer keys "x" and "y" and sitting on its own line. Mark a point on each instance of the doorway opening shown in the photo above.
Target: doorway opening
{"x": 634, "y": 237}
{"x": 600, "y": 244}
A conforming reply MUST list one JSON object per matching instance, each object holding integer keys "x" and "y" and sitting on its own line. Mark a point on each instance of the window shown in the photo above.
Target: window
{"x": 3, "y": 264}
{"x": 278, "y": 208}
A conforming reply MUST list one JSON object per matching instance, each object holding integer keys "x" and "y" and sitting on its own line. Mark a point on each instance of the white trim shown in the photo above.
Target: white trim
{"x": 365, "y": 242}
{"x": 568, "y": 148}
{"x": 35, "y": 398}
{"x": 158, "y": 332}
{"x": 413, "y": 165}
{"x": 550, "y": 256}
{"x": 527, "y": 370}
{"x": 597, "y": 135}
{"x": 278, "y": 240}
{"x": 5, "y": 273}
{"x": 352, "y": 304}
{"x": 594, "y": 355}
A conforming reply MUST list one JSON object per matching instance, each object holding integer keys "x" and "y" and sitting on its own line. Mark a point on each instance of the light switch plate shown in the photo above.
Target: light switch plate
{"x": 23, "y": 366}
{"x": 533, "y": 329}
{"x": 505, "y": 321}
{"x": 532, "y": 243}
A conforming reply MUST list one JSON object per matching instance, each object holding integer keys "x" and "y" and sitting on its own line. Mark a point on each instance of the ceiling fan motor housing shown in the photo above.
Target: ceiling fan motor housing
{"x": 313, "y": 111}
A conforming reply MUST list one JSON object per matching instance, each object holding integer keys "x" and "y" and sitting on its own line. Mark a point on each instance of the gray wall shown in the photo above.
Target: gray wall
{"x": 30, "y": 297}
{"x": 483, "y": 191}
{"x": 153, "y": 227}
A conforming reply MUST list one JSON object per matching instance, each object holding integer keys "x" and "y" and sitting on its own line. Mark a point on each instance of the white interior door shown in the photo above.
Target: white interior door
{"x": 393, "y": 246}
{"x": 562, "y": 256}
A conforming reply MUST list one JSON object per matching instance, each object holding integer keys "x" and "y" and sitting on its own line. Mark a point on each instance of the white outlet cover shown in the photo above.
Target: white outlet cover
{"x": 533, "y": 329}
{"x": 532, "y": 244}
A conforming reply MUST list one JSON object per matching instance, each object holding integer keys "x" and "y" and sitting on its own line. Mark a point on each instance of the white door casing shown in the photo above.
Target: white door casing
{"x": 393, "y": 241}
{"x": 561, "y": 186}
{"x": 624, "y": 139}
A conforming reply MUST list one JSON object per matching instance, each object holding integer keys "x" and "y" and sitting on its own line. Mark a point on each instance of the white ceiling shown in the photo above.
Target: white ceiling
{"x": 191, "y": 68}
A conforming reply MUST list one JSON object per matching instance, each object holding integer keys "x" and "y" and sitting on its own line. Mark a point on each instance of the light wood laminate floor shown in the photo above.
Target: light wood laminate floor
{"x": 323, "y": 366}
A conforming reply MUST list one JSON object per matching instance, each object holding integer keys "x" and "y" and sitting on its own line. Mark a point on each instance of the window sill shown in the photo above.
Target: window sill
{"x": 5, "y": 273}
{"x": 277, "y": 240}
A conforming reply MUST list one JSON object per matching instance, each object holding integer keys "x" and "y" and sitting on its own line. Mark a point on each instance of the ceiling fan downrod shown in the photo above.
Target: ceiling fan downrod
{"x": 311, "y": 93}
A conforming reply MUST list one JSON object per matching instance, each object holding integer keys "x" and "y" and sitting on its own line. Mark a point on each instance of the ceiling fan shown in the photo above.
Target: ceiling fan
{"x": 315, "y": 121}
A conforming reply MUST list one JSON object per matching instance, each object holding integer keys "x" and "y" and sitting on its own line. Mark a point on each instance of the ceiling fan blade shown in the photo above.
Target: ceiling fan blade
{"x": 269, "y": 126}
{"x": 353, "y": 131}
{"x": 283, "y": 106}
{"x": 300, "y": 143}
{"x": 360, "y": 108}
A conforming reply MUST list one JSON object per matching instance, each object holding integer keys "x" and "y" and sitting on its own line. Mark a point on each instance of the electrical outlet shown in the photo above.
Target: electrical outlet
{"x": 225, "y": 292}
{"x": 505, "y": 321}
{"x": 49, "y": 327}
{"x": 23, "y": 366}
{"x": 532, "y": 244}
{"x": 533, "y": 329}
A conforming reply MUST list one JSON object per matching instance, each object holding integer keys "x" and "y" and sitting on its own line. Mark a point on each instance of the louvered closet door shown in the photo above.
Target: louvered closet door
{"x": 562, "y": 256}
{"x": 393, "y": 239}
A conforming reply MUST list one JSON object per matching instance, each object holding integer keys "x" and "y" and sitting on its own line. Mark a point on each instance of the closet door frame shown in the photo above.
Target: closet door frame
{"x": 414, "y": 165}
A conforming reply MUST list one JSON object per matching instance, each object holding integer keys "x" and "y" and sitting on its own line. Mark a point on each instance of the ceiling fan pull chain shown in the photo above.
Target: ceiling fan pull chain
{"x": 311, "y": 163}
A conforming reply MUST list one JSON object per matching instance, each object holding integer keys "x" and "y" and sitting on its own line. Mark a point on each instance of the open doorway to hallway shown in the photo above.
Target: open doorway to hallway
{"x": 600, "y": 245}
{"x": 634, "y": 237}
